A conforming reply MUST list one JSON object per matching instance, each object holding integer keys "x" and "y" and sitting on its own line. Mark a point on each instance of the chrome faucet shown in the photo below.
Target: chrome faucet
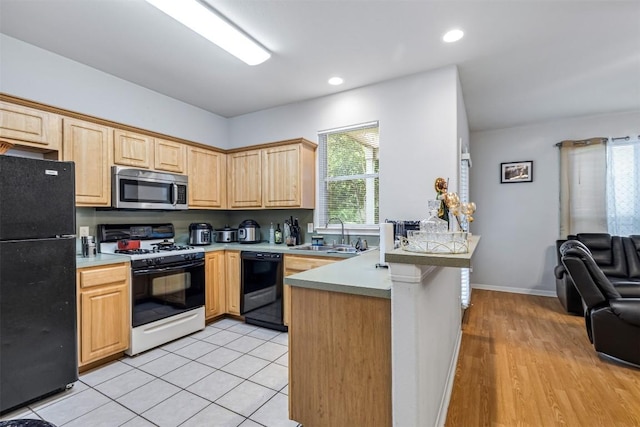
{"x": 341, "y": 228}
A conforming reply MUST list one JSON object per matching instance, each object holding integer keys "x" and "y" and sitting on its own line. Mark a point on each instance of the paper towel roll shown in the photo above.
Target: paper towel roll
{"x": 386, "y": 240}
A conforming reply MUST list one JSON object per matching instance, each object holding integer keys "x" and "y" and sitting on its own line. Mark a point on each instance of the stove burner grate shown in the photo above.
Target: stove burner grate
{"x": 133, "y": 251}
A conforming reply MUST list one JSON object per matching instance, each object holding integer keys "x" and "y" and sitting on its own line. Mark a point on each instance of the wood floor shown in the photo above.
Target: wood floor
{"x": 524, "y": 362}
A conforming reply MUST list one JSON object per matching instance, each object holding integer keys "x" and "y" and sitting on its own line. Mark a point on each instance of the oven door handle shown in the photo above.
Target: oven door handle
{"x": 165, "y": 269}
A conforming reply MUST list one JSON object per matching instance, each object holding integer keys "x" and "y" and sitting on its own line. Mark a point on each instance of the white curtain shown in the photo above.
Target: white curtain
{"x": 623, "y": 186}
{"x": 582, "y": 187}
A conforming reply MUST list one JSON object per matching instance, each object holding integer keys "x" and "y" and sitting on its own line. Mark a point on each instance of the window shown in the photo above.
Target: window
{"x": 465, "y": 279}
{"x": 623, "y": 186}
{"x": 349, "y": 185}
{"x": 600, "y": 186}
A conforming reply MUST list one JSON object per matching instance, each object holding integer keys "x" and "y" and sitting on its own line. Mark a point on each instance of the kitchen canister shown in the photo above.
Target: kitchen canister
{"x": 88, "y": 244}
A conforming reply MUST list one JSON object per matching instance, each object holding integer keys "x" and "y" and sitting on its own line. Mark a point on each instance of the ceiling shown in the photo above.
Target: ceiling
{"x": 520, "y": 62}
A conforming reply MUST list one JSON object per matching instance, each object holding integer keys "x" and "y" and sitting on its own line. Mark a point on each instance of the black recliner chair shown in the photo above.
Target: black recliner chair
{"x": 613, "y": 322}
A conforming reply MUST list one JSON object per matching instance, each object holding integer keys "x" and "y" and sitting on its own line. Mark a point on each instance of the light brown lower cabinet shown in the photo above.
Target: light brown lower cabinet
{"x": 296, "y": 264}
{"x": 103, "y": 311}
{"x": 233, "y": 282}
{"x": 339, "y": 359}
{"x": 215, "y": 284}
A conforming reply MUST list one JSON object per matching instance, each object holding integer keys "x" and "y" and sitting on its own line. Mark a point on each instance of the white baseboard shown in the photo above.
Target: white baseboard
{"x": 446, "y": 397}
{"x": 538, "y": 292}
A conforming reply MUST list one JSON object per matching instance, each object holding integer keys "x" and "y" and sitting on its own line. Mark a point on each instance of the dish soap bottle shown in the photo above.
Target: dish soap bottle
{"x": 278, "y": 235}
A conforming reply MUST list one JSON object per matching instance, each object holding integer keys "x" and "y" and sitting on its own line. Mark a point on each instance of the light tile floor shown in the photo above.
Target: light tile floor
{"x": 229, "y": 374}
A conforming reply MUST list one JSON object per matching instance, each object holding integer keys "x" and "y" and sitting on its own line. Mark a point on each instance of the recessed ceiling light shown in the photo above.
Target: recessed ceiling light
{"x": 336, "y": 81}
{"x": 453, "y": 36}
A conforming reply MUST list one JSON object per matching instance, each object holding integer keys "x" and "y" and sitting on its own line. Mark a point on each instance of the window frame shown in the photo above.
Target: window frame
{"x": 349, "y": 228}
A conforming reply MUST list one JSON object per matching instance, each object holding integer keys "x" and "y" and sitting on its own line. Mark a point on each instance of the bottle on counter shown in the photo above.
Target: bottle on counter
{"x": 287, "y": 233}
{"x": 293, "y": 233}
{"x": 298, "y": 232}
{"x": 272, "y": 235}
{"x": 278, "y": 235}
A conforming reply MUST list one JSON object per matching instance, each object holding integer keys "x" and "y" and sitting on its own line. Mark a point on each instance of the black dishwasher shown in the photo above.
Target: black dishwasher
{"x": 261, "y": 289}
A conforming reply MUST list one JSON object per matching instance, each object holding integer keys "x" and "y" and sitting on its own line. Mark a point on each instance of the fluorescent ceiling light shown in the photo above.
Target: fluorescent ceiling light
{"x": 214, "y": 28}
{"x": 453, "y": 36}
{"x": 335, "y": 81}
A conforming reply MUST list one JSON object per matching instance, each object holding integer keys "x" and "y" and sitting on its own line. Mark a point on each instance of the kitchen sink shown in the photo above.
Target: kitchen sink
{"x": 327, "y": 248}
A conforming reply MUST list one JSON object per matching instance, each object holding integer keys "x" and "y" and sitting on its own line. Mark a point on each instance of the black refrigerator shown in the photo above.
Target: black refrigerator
{"x": 38, "y": 344}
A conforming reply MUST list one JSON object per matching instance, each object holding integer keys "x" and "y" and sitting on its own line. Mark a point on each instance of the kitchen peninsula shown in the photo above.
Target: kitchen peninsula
{"x": 376, "y": 347}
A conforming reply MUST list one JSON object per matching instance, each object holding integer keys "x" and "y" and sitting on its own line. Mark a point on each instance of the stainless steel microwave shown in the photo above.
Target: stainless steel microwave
{"x": 143, "y": 189}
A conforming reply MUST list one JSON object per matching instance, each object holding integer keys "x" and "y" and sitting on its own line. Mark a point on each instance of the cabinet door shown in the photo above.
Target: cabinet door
{"x": 233, "y": 282}
{"x": 170, "y": 156}
{"x": 29, "y": 127}
{"x": 87, "y": 144}
{"x": 104, "y": 322}
{"x": 245, "y": 179}
{"x": 103, "y": 311}
{"x": 289, "y": 176}
{"x": 132, "y": 149}
{"x": 215, "y": 274}
{"x": 296, "y": 264}
{"x": 207, "y": 178}
{"x": 281, "y": 176}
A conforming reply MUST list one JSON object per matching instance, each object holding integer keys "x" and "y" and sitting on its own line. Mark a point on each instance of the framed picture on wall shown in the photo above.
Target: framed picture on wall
{"x": 513, "y": 172}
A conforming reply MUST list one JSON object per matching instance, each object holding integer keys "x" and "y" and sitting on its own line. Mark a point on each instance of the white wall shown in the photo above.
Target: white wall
{"x": 418, "y": 132}
{"x": 30, "y": 72}
{"x": 519, "y": 222}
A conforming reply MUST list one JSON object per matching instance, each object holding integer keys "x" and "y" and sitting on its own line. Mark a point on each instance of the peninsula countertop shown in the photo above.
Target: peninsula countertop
{"x": 401, "y": 256}
{"x": 357, "y": 275}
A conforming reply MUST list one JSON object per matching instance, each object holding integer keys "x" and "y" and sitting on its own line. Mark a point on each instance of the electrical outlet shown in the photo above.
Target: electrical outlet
{"x": 309, "y": 227}
{"x": 84, "y": 231}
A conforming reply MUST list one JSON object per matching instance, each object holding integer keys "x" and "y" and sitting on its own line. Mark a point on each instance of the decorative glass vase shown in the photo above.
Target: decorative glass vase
{"x": 434, "y": 224}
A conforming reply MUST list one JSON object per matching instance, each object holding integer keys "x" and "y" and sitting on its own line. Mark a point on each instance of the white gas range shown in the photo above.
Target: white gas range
{"x": 167, "y": 282}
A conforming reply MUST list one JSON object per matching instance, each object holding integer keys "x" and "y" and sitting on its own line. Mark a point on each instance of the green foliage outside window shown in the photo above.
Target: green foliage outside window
{"x": 348, "y": 155}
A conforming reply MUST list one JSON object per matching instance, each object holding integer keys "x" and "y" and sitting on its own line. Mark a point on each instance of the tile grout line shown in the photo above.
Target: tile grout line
{"x": 188, "y": 361}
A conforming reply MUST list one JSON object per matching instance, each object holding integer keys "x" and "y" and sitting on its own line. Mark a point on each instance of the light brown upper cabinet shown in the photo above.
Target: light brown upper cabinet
{"x": 88, "y": 145}
{"x": 288, "y": 176}
{"x": 279, "y": 175}
{"x": 132, "y": 149}
{"x": 207, "y": 178}
{"x": 29, "y": 127}
{"x": 245, "y": 179}
{"x": 170, "y": 156}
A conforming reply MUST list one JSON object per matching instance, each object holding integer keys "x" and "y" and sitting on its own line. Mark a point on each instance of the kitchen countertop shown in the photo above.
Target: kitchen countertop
{"x": 358, "y": 276}
{"x": 401, "y": 256}
{"x": 282, "y": 249}
{"x": 104, "y": 259}
{"x": 100, "y": 259}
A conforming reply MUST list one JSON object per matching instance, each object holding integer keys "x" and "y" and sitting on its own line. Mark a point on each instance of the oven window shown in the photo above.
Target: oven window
{"x": 148, "y": 192}
{"x": 158, "y": 295}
